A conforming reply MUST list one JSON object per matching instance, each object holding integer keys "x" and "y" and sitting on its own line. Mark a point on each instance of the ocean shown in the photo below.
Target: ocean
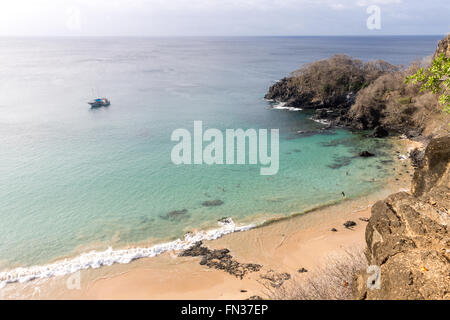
{"x": 75, "y": 179}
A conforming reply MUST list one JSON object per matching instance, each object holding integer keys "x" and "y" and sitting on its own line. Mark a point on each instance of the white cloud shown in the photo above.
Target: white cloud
{"x": 215, "y": 17}
{"x": 366, "y": 3}
{"x": 337, "y": 6}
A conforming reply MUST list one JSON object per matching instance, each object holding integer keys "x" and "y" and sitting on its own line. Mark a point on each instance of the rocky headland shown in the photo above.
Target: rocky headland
{"x": 407, "y": 235}
{"x": 365, "y": 96}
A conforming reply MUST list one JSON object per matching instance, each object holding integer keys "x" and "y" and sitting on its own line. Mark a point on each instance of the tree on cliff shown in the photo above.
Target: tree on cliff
{"x": 435, "y": 79}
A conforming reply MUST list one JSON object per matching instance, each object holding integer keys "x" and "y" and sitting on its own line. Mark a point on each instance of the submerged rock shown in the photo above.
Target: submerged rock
{"x": 366, "y": 154}
{"x": 225, "y": 220}
{"x": 340, "y": 162}
{"x": 212, "y": 203}
{"x": 176, "y": 214}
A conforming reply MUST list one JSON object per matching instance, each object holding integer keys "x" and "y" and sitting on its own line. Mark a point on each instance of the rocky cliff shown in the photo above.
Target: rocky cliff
{"x": 408, "y": 235}
{"x": 443, "y": 47}
{"x": 329, "y": 83}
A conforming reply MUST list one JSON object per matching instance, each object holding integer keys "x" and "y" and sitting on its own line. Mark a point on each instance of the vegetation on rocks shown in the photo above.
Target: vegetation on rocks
{"x": 435, "y": 79}
{"x": 332, "y": 281}
{"x": 328, "y": 82}
{"x": 392, "y": 103}
{"x": 350, "y": 93}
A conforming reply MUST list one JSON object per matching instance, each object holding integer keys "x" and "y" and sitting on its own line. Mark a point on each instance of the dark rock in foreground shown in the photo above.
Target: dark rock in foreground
{"x": 349, "y": 224}
{"x": 275, "y": 279}
{"x": 408, "y": 235}
{"x": 220, "y": 259}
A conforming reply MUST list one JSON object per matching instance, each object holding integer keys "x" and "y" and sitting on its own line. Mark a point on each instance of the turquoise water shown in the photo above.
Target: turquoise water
{"x": 72, "y": 178}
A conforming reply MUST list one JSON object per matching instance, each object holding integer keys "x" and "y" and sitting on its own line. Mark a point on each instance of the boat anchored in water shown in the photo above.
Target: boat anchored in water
{"x": 99, "y": 102}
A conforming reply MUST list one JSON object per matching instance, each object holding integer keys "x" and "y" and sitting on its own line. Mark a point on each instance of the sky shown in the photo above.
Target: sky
{"x": 223, "y": 17}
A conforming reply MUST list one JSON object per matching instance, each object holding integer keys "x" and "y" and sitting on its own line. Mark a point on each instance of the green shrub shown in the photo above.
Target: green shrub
{"x": 435, "y": 79}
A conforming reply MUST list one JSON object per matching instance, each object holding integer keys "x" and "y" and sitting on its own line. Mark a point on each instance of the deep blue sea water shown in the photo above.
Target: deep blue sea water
{"x": 73, "y": 179}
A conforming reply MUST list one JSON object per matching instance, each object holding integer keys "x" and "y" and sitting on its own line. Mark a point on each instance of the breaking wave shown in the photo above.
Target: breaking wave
{"x": 97, "y": 259}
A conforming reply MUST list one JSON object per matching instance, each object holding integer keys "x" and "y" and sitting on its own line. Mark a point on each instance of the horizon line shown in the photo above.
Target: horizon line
{"x": 219, "y": 36}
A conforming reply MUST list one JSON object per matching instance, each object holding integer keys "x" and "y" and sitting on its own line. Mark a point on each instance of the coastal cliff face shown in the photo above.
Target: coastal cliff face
{"x": 443, "y": 47}
{"x": 408, "y": 235}
{"x": 347, "y": 92}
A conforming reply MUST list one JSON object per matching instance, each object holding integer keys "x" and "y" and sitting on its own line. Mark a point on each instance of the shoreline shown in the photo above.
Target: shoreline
{"x": 94, "y": 258}
{"x": 303, "y": 241}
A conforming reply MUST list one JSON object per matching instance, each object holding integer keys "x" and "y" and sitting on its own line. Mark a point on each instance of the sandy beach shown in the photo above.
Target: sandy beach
{"x": 304, "y": 241}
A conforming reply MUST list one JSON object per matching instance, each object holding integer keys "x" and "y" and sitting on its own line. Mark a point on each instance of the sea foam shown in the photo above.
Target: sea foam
{"x": 282, "y": 106}
{"x": 321, "y": 121}
{"x": 97, "y": 259}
